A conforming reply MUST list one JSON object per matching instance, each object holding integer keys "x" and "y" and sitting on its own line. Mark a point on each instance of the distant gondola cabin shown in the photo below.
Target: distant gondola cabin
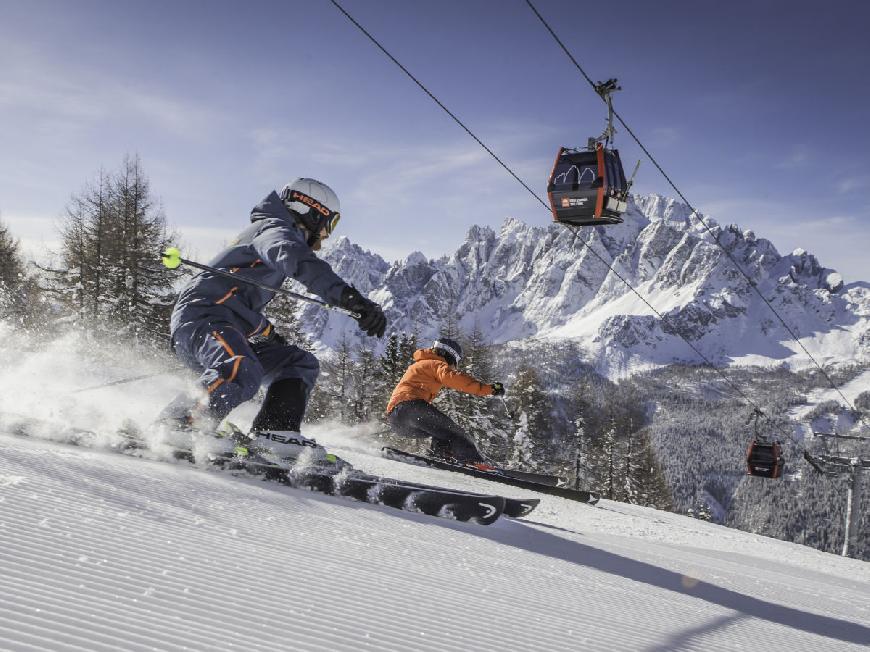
{"x": 588, "y": 187}
{"x": 764, "y": 459}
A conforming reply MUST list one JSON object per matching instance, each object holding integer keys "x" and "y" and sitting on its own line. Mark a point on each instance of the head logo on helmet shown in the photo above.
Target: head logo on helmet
{"x": 295, "y": 195}
{"x": 315, "y": 206}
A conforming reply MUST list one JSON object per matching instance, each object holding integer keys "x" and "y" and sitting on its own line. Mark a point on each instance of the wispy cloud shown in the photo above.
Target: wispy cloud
{"x": 664, "y": 137}
{"x": 852, "y": 183}
{"x": 378, "y": 170}
{"x": 419, "y": 195}
{"x": 798, "y": 156}
{"x": 34, "y": 92}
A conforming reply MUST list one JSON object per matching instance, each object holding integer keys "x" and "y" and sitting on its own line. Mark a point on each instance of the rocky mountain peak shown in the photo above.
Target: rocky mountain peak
{"x": 548, "y": 281}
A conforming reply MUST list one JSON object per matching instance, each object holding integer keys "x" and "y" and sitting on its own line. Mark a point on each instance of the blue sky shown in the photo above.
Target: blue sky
{"x": 758, "y": 111}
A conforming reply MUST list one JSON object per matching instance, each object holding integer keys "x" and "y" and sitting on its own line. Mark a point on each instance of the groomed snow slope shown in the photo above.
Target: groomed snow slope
{"x": 99, "y": 551}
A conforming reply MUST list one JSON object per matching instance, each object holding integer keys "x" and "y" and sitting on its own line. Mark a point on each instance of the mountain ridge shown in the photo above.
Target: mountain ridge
{"x": 548, "y": 282}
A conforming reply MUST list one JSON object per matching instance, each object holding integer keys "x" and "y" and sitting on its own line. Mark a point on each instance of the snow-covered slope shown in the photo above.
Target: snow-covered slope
{"x": 544, "y": 282}
{"x": 99, "y": 551}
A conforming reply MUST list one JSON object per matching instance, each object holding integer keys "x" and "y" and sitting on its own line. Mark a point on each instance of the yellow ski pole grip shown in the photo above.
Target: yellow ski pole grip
{"x": 171, "y": 258}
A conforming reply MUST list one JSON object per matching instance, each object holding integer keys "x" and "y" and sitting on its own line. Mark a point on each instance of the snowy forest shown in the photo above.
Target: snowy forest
{"x": 673, "y": 438}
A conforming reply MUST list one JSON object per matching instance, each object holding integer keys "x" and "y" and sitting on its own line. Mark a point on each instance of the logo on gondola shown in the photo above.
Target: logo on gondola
{"x": 571, "y": 202}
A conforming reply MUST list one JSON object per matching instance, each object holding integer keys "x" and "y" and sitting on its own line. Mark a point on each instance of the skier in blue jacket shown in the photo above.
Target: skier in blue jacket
{"x": 218, "y": 327}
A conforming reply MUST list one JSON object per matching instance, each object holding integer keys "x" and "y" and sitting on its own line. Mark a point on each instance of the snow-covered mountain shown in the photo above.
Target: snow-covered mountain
{"x": 546, "y": 282}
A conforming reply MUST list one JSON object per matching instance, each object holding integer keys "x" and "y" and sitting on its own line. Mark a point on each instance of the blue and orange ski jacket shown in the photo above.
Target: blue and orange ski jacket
{"x": 271, "y": 249}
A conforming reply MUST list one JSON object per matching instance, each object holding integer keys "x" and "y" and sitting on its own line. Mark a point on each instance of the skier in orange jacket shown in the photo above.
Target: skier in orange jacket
{"x": 410, "y": 411}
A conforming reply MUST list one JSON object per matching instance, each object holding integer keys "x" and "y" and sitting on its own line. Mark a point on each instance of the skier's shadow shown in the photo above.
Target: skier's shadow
{"x": 519, "y": 535}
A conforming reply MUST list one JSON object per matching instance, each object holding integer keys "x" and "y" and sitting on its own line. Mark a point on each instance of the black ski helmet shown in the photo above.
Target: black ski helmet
{"x": 315, "y": 204}
{"x": 449, "y": 350}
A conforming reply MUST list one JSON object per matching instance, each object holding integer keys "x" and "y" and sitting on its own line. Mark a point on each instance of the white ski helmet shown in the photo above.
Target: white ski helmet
{"x": 315, "y": 203}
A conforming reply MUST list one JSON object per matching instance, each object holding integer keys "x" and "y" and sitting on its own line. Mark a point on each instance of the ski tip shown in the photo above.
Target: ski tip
{"x": 519, "y": 507}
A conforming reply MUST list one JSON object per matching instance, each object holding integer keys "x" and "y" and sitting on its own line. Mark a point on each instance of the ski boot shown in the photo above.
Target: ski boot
{"x": 440, "y": 450}
{"x": 275, "y": 430}
{"x": 187, "y": 427}
{"x": 290, "y": 449}
{"x": 458, "y": 452}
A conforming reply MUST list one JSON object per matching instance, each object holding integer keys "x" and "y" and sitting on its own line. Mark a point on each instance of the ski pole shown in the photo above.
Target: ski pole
{"x": 506, "y": 408}
{"x": 119, "y": 382}
{"x": 171, "y": 259}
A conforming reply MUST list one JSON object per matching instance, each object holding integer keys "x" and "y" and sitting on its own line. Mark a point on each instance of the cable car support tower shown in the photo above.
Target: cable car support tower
{"x": 839, "y": 464}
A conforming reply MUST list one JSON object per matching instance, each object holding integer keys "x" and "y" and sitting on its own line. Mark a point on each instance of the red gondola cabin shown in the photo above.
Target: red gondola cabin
{"x": 588, "y": 187}
{"x": 764, "y": 459}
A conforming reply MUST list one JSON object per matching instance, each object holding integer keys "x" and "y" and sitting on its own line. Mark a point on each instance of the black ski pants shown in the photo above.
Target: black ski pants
{"x": 420, "y": 419}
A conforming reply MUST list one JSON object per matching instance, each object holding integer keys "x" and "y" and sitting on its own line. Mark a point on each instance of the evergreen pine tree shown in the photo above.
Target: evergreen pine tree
{"x": 391, "y": 367}
{"x": 11, "y": 263}
{"x": 140, "y": 287}
{"x": 340, "y": 387}
{"x": 650, "y": 483}
{"x": 523, "y": 450}
{"x": 282, "y": 311}
{"x": 584, "y": 457}
{"x": 109, "y": 277}
{"x": 609, "y": 461}
{"x": 408, "y": 343}
{"x": 532, "y": 407}
{"x": 20, "y": 302}
{"x": 483, "y": 418}
{"x": 631, "y": 468}
{"x": 364, "y": 404}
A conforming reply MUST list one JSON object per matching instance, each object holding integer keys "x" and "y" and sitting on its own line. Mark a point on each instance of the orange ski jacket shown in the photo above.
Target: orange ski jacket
{"x": 425, "y": 378}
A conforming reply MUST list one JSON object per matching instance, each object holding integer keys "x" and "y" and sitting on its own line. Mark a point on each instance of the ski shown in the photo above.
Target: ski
{"x": 355, "y": 484}
{"x": 513, "y": 507}
{"x": 551, "y": 485}
{"x": 409, "y": 496}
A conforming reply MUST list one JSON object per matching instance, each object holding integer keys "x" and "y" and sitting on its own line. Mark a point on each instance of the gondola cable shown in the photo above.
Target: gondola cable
{"x": 694, "y": 212}
{"x": 575, "y": 229}
{"x": 437, "y": 101}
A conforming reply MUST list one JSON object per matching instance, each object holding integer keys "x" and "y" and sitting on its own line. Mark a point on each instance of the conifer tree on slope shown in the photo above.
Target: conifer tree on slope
{"x": 531, "y": 407}
{"x": 609, "y": 461}
{"x": 109, "y": 278}
{"x": 20, "y": 302}
{"x": 283, "y": 313}
{"x": 365, "y": 369}
{"x": 390, "y": 367}
{"x": 485, "y": 420}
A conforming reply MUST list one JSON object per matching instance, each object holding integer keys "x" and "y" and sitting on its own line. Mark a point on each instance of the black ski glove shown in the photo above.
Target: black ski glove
{"x": 497, "y": 389}
{"x": 371, "y": 318}
{"x": 268, "y": 336}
